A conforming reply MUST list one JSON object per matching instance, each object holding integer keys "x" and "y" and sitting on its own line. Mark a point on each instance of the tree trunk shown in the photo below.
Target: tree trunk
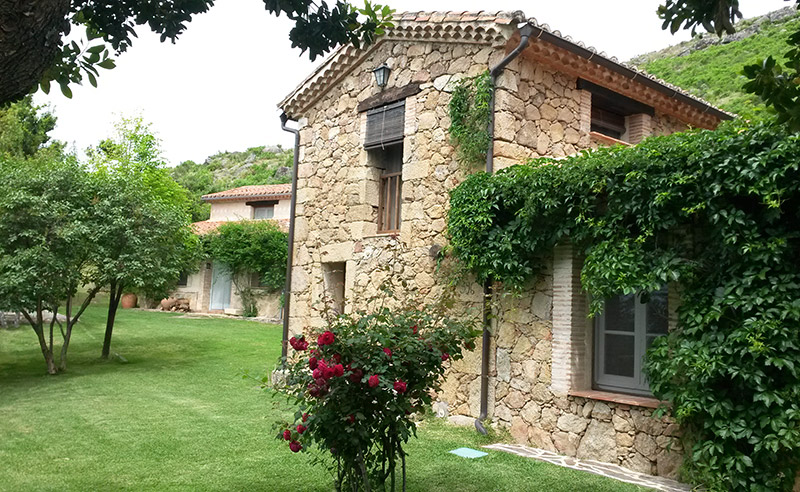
{"x": 39, "y": 330}
{"x": 71, "y": 322}
{"x": 30, "y": 41}
{"x": 113, "y": 304}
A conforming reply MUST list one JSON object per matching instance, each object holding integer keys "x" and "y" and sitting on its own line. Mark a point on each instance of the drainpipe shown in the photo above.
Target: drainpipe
{"x": 525, "y": 33}
{"x": 287, "y": 290}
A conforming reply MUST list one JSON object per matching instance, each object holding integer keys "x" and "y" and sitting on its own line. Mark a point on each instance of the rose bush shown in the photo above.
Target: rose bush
{"x": 359, "y": 385}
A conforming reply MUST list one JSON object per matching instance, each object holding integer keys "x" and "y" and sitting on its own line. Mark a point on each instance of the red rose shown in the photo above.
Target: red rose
{"x": 301, "y": 428}
{"x": 295, "y": 446}
{"x": 328, "y": 372}
{"x": 351, "y": 418}
{"x": 445, "y": 356}
{"x": 305, "y": 417}
{"x": 357, "y": 375}
{"x": 298, "y": 343}
{"x": 400, "y": 386}
{"x": 317, "y": 373}
{"x": 373, "y": 381}
{"x": 414, "y": 329}
{"x": 287, "y": 434}
{"x": 388, "y": 352}
{"x": 338, "y": 370}
{"x": 312, "y": 363}
{"x": 326, "y": 338}
{"x": 470, "y": 346}
{"x": 337, "y": 358}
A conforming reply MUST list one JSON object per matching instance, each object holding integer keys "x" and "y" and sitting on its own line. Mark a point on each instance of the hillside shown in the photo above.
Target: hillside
{"x": 710, "y": 67}
{"x": 225, "y": 170}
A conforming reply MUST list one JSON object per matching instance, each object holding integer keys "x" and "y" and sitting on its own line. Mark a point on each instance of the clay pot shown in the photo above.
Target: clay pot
{"x": 128, "y": 301}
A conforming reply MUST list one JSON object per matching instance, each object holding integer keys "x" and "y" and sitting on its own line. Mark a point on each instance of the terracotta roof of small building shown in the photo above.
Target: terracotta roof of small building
{"x": 493, "y": 29}
{"x": 206, "y": 226}
{"x": 252, "y": 192}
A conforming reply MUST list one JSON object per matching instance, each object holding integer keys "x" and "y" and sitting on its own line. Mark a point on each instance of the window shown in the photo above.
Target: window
{"x": 617, "y": 116}
{"x": 263, "y": 212}
{"x": 183, "y": 279}
{"x": 385, "y": 125}
{"x": 623, "y": 333}
{"x": 390, "y": 163}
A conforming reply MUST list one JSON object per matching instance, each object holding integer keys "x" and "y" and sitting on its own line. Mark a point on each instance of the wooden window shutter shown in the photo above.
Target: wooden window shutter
{"x": 385, "y": 125}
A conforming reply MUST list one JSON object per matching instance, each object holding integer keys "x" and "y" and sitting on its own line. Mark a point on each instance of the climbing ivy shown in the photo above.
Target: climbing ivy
{"x": 715, "y": 214}
{"x": 469, "y": 118}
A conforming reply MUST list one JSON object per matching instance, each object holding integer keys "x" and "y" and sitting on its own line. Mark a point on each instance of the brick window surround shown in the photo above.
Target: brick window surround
{"x": 573, "y": 333}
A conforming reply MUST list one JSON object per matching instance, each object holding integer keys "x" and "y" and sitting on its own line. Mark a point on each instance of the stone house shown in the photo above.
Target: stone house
{"x": 375, "y": 168}
{"x": 212, "y": 287}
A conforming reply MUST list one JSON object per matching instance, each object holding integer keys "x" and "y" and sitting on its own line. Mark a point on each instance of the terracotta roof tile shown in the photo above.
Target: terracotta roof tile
{"x": 249, "y": 192}
{"x": 483, "y": 27}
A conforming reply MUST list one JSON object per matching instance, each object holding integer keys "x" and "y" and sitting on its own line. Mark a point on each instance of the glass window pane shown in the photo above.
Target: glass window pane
{"x": 657, "y": 313}
{"x": 263, "y": 212}
{"x": 619, "y": 355}
{"x": 619, "y": 313}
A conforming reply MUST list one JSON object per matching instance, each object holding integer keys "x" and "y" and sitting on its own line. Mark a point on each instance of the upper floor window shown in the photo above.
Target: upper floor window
{"x": 623, "y": 333}
{"x": 384, "y": 142}
{"x": 263, "y": 210}
{"x": 390, "y": 161}
{"x": 612, "y": 114}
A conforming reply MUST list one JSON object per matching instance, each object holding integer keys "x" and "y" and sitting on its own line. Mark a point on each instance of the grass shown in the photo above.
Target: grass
{"x": 177, "y": 415}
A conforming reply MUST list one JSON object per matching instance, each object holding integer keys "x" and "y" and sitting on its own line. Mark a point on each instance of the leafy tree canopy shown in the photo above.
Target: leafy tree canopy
{"x": 34, "y": 51}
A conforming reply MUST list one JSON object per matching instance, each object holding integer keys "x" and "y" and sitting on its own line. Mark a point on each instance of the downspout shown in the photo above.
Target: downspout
{"x": 287, "y": 290}
{"x": 525, "y": 34}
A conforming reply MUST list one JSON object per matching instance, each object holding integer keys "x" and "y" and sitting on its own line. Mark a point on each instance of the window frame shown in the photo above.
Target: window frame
{"x": 636, "y": 384}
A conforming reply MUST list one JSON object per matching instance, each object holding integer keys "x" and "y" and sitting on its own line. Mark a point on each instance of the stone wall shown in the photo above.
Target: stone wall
{"x": 539, "y": 112}
{"x": 337, "y": 183}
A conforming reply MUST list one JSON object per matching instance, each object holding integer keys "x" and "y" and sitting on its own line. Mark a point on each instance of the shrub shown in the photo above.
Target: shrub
{"x": 359, "y": 382}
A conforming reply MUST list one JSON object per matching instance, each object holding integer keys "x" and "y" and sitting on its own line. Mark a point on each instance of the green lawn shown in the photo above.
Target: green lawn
{"x": 177, "y": 415}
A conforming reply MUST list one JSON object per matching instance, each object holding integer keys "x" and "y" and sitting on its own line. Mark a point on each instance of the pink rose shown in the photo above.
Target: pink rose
{"x": 287, "y": 435}
{"x": 295, "y": 446}
{"x": 373, "y": 381}
{"x": 326, "y": 338}
{"x": 400, "y": 386}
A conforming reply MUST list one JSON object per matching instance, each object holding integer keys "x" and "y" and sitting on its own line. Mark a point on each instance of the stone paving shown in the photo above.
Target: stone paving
{"x": 598, "y": 468}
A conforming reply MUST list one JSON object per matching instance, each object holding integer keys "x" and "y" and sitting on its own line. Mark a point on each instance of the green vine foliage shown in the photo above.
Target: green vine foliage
{"x": 715, "y": 214}
{"x": 469, "y": 116}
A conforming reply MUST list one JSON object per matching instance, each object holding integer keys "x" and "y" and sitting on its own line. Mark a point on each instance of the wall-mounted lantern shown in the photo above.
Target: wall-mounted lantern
{"x": 382, "y": 75}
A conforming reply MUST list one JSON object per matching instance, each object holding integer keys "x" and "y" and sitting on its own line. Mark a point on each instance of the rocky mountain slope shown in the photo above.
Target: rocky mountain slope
{"x": 225, "y": 170}
{"x": 710, "y": 67}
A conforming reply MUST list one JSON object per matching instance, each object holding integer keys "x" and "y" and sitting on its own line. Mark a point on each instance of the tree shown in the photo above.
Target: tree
{"x": 45, "y": 243}
{"x": 777, "y": 84}
{"x": 24, "y": 128}
{"x": 141, "y": 233}
{"x": 251, "y": 246}
{"x": 32, "y": 34}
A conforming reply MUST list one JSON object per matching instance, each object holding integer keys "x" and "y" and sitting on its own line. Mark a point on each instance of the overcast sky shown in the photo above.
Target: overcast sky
{"x": 218, "y": 87}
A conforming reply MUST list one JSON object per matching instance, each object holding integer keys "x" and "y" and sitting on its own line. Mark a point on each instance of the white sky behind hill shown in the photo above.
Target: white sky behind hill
{"x": 218, "y": 87}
